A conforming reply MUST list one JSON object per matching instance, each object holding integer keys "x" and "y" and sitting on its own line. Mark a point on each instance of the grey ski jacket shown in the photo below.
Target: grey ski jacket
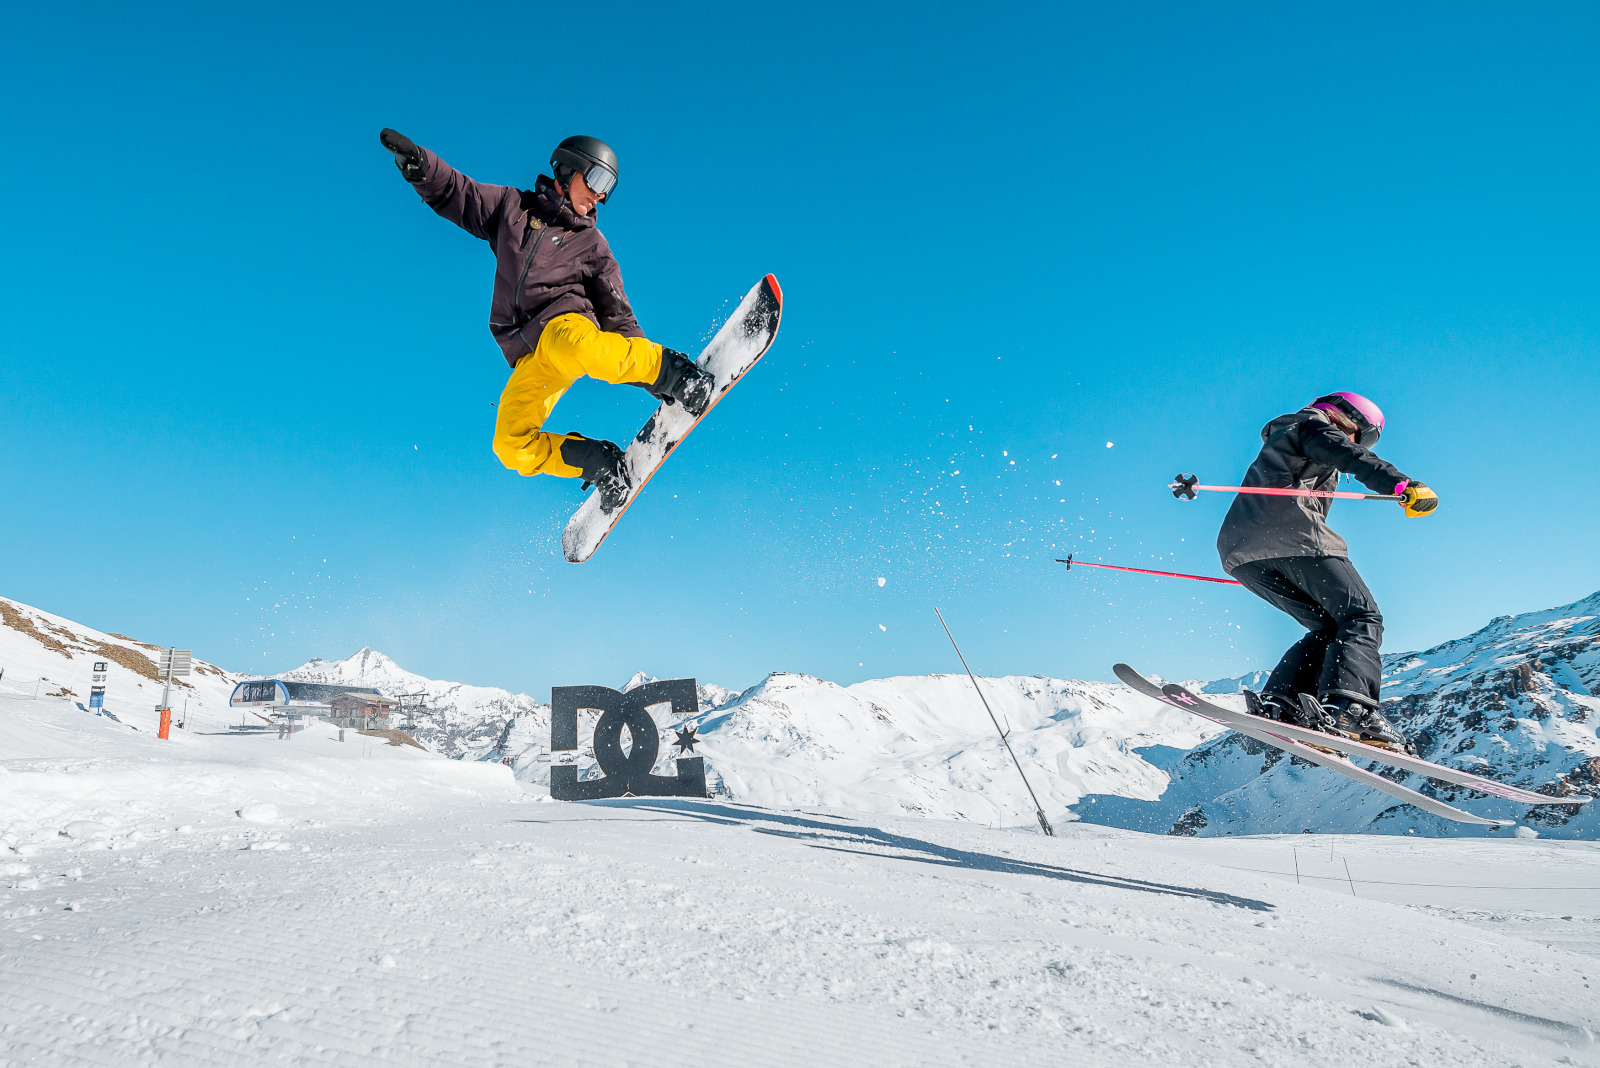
{"x": 548, "y": 260}
{"x": 1301, "y": 450}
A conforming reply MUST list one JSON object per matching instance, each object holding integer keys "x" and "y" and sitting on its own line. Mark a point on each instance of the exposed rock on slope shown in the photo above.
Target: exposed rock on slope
{"x": 1513, "y": 701}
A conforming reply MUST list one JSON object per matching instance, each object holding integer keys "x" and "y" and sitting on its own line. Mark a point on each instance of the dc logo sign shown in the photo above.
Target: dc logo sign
{"x": 624, "y": 773}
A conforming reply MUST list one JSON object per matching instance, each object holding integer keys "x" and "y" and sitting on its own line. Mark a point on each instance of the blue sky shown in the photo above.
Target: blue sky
{"x": 246, "y": 379}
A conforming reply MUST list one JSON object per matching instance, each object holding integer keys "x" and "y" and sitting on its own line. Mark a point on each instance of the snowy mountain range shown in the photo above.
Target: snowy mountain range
{"x": 1515, "y": 701}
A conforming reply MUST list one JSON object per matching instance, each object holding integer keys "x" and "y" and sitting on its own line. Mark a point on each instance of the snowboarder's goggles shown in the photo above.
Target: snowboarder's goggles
{"x": 600, "y": 180}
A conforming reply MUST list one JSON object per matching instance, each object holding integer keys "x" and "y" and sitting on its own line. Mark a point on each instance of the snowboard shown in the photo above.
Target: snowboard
{"x": 1269, "y": 732}
{"x": 743, "y": 339}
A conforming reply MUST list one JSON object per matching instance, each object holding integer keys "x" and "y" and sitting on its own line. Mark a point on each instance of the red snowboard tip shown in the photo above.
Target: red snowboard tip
{"x": 777, "y": 290}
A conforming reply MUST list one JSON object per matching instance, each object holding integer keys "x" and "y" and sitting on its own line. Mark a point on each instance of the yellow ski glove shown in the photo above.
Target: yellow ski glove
{"x": 1418, "y": 499}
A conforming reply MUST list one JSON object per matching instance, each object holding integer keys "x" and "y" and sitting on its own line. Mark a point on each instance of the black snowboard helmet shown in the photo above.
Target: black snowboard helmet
{"x": 590, "y": 157}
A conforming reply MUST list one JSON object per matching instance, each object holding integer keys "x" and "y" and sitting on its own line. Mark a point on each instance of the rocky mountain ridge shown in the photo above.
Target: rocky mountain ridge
{"x": 1515, "y": 700}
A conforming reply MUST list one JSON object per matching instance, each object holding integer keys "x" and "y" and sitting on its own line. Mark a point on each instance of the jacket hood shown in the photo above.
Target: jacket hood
{"x": 1290, "y": 419}
{"x": 555, "y": 208}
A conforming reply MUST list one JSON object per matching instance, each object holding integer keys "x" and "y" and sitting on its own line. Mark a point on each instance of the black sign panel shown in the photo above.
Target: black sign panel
{"x": 625, "y": 773}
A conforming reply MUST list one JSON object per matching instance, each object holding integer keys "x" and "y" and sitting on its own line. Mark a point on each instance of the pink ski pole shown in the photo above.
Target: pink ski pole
{"x": 1183, "y": 488}
{"x": 1069, "y": 561}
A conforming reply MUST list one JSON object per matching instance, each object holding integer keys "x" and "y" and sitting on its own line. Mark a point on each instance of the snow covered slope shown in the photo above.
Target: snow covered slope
{"x": 1514, "y": 701}
{"x": 45, "y": 655}
{"x": 913, "y": 745}
{"x": 924, "y": 745}
{"x": 239, "y": 900}
{"x": 919, "y": 745}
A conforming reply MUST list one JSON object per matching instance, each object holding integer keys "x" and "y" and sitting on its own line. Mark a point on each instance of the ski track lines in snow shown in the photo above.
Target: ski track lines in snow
{"x": 393, "y": 907}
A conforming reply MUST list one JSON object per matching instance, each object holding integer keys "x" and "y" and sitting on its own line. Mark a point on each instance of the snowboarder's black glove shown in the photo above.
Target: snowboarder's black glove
{"x": 407, "y": 156}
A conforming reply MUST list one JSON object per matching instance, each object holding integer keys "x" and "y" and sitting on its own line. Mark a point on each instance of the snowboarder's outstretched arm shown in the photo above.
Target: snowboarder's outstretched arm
{"x": 1326, "y": 444}
{"x": 476, "y": 207}
{"x": 610, "y": 300}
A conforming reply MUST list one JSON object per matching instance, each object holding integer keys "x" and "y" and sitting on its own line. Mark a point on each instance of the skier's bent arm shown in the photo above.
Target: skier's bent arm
{"x": 1329, "y": 445}
{"x": 473, "y": 206}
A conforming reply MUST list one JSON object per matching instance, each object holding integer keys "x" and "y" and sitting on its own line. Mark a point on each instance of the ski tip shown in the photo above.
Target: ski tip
{"x": 772, "y": 284}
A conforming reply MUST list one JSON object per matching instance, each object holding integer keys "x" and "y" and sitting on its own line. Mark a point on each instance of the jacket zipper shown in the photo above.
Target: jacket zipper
{"x": 516, "y": 300}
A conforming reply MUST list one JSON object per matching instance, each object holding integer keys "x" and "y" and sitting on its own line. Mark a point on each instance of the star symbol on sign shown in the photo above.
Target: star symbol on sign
{"x": 685, "y": 740}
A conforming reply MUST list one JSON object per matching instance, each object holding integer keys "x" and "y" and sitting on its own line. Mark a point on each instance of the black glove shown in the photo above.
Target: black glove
{"x": 407, "y": 156}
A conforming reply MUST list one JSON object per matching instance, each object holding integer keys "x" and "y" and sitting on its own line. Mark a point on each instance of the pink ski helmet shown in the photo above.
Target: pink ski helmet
{"x": 1368, "y": 417}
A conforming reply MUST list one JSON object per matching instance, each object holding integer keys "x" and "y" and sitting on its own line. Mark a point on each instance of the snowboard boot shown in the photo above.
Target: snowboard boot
{"x": 682, "y": 381}
{"x": 603, "y": 467}
{"x": 1356, "y": 720}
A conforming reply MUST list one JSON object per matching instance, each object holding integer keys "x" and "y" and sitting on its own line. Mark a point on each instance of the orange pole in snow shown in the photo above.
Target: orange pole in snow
{"x": 166, "y": 722}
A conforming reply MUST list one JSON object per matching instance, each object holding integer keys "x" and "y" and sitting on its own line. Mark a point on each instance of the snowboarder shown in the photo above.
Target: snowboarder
{"x": 559, "y": 311}
{"x": 1281, "y": 549}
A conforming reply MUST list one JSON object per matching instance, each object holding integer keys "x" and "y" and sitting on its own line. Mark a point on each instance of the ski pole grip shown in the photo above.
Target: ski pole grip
{"x": 1182, "y": 487}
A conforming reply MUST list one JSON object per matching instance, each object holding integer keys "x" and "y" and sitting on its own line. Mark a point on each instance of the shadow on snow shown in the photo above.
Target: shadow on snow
{"x": 841, "y": 835}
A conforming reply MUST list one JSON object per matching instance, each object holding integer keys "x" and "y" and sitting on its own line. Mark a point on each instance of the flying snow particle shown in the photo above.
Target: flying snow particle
{"x": 883, "y": 628}
{"x": 882, "y": 581}
{"x": 413, "y": 448}
{"x": 1108, "y": 444}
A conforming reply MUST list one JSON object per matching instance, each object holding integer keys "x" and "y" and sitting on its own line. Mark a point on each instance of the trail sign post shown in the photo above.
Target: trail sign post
{"x": 172, "y": 662}
{"x": 97, "y": 689}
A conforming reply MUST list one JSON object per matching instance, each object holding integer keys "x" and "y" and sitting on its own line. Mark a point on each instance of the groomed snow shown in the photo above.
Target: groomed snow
{"x": 246, "y": 900}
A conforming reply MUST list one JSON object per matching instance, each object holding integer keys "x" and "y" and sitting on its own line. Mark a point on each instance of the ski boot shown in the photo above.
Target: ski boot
{"x": 682, "y": 381}
{"x": 1353, "y": 719}
{"x": 603, "y": 466}
{"x": 1285, "y": 710}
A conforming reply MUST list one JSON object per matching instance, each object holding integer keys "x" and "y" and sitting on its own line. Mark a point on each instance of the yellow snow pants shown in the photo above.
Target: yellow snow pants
{"x": 570, "y": 347}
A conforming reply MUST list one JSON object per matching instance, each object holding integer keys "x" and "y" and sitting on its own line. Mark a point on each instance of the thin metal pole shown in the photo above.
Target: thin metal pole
{"x": 166, "y": 688}
{"x": 1070, "y": 562}
{"x": 1044, "y": 824}
{"x": 1351, "y": 881}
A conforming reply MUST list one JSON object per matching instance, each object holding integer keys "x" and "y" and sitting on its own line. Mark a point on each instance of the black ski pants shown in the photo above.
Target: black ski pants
{"x": 1339, "y": 658}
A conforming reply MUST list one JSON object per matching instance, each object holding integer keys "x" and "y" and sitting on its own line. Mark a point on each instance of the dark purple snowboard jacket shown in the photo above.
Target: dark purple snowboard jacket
{"x": 548, "y": 260}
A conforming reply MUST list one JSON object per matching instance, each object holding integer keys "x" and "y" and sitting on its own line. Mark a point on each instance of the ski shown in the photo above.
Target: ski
{"x": 743, "y": 340}
{"x": 1332, "y": 761}
{"x": 1367, "y": 751}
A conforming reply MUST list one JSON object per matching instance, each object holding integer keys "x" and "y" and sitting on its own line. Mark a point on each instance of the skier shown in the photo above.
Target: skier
{"x": 1281, "y": 549}
{"x": 559, "y": 311}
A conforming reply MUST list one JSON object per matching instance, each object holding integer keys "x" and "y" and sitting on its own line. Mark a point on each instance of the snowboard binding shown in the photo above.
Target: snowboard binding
{"x": 681, "y": 381}
{"x": 604, "y": 467}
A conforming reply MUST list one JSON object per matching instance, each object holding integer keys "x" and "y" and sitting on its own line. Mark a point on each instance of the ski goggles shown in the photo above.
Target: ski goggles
{"x": 600, "y": 180}
{"x": 1366, "y": 434}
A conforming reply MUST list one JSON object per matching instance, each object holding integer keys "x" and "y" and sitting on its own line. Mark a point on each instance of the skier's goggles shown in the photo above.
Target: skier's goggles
{"x": 1366, "y": 434}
